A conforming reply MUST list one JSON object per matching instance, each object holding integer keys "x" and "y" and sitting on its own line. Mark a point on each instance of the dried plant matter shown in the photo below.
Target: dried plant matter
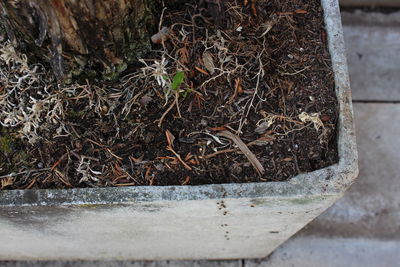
{"x": 262, "y": 75}
{"x": 246, "y": 151}
{"x": 20, "y": 106}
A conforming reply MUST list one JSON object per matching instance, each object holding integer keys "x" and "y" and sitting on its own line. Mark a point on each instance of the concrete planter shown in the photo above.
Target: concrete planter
{"x": 182, "y": 222}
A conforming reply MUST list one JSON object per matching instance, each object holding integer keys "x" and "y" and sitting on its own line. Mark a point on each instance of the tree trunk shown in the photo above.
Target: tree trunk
{"x": 81, "y": 36}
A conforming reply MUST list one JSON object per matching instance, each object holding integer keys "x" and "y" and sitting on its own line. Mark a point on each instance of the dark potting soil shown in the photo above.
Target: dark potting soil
{"x": 240, "y": 92}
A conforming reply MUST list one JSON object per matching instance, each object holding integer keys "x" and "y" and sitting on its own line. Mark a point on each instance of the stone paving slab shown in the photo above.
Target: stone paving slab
{"x": 373, "y": 3}
{"x": 373, "y": 54}
{"x": 317, "y": 252}
{"x": 371, "y": 207}
{"x": 236, "y": 263}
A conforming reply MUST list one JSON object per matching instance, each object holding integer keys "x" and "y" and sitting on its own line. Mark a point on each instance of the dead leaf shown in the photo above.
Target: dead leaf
{"x": 301, "y": 11}
{"x": 217, "y": 129}
{"x": 161, "y": 36}
{"x": 201, "y": 70}
{"x": 6, "y": 182}
{"x": 262, "y": 127}
{"x": 263, "y": 140}
{"x": 170, "y": 138}
{"x": 137, "y": 160}
{"x": 184, "y": 55}
{"x": 254, "y": 8}
{"x": 187, "y": 180}
{"x": 209, "y": 62}
{"x": 146, "y": 99}
{"x": 325, "y": 118}
{"x": 238, "y": 90}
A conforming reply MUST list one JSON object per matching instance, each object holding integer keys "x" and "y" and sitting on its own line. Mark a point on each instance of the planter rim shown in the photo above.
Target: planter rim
{"x": 331, "y": 180}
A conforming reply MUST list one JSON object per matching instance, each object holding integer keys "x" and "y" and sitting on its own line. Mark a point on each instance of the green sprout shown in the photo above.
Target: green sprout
{"x": 175, "y": 85}
{"x": 177, "y": 80}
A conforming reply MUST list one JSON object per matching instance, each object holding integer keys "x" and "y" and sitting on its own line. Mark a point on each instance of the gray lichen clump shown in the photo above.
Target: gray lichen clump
{"x": 86, "y": 36}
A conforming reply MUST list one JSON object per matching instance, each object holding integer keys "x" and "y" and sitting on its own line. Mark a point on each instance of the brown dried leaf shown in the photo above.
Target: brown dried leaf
{"x": 187, "y": 180}
{"x": 263, "y": 140}
{"x": 161, "y": 36}
{"x": 217, "y": 129}
{"x": 183, "y": 55}
{"x": 301, "y": 11}
{"x": 146, "y": 99}
{"x": 137, "y": 160}
{"x": 170, "y": 138}
{"x": 201, "y": 70}
{"x": 254, "y": 8}
{"x": 6, "y": 182}
{"x": 238, "y": 90}
{"x": 208, "y": 62}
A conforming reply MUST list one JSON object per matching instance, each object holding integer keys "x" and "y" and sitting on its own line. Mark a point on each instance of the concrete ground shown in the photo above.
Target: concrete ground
{"x": 363, "y": 228}
{"x": 370, "y": 3}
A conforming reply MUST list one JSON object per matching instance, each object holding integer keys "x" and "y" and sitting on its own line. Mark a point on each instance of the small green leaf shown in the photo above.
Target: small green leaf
{"x": 178, "y": 80}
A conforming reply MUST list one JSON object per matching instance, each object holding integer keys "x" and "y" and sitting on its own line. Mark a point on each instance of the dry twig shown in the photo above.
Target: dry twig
{"x": 246, "y": 151}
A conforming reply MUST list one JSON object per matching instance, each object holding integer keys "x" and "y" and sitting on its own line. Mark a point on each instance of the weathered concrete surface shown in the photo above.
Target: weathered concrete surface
{"x": 214, "y": 229}
{"x": 317, "y": 252}
{"x": 371, "y": 208}
{"x": 373, "y": 53}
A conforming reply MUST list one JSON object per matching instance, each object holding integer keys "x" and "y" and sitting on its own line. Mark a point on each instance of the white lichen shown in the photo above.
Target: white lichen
{"x": 25, "y": 101}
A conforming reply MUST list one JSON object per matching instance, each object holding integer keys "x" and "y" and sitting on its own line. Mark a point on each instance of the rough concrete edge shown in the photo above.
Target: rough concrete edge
{"x": 348, "y": 156}
{"x": 333, "y": 180}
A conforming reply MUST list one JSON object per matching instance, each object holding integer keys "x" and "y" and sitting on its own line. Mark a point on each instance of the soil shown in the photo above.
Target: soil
{"x": 240, "y": 94}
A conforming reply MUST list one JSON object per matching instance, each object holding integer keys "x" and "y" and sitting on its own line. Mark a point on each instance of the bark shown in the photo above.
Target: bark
{"x": 76, "y": 36}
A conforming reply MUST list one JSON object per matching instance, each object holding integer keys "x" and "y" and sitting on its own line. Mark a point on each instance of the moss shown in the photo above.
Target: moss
{"x": 6, "y": 144}
{"x": 20, "y": 157}
{"x": 113, "y": 75}
{"x": 73, "y": 114}
{"x": 11, "y": 157}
